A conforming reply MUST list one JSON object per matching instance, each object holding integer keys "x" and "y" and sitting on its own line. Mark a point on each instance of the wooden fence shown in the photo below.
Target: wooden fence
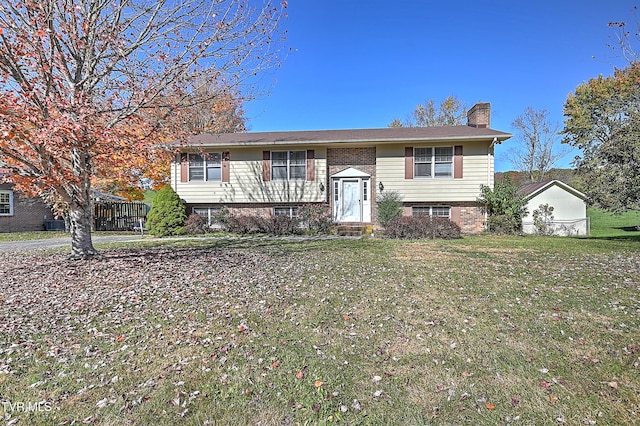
{"x": 119, "y": 216}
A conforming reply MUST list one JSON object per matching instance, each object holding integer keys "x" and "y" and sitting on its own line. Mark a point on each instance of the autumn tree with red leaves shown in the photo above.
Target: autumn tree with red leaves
{"x": 215, "y": 108}
{"x": 77, "y": 78}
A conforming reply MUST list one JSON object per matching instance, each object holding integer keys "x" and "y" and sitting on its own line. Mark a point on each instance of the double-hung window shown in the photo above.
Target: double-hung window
{"x": 433, "y": 162}
{"x": 6, "y": 203}
{"x": 205, "y": 167}
{"x": 437, "y": 211}
{"x": 288, "y": 165}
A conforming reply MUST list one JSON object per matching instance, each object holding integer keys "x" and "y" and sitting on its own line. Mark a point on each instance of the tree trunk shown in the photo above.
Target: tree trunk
{"x": 80, "y": 214}
{"x": 81, "y": 244}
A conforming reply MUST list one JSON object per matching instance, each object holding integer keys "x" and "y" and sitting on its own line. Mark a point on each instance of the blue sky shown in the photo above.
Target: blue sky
{"x": 361, "y": 63}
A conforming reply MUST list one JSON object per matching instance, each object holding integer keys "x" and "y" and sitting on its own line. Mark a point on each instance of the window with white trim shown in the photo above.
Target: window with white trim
{"x": 6, "y": 203}
{"x": 208, "y": 213}
{"x": 288, "y": 165}
{"x": 205, "y": 167}
{"x": 437, "y": 211}
{"x": 433, "y": 162}
{"x": 286, "y": 211}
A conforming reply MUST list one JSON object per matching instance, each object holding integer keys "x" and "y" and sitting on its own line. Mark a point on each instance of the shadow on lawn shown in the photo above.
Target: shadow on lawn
{"x": 633, "y": 237}
{"x": 629, "y": 228}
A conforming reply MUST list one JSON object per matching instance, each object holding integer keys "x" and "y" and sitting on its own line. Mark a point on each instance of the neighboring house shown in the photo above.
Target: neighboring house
{"x": 569, "y": 207}
{"x": 437, "y": 171}
{"x": 115, "y": 213}
{"x": 19, "y": 212}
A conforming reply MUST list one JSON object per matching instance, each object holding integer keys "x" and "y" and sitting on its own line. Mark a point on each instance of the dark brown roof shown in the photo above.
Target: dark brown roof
{"x": 530, "y": 188}
{"x": 384, "y": 135}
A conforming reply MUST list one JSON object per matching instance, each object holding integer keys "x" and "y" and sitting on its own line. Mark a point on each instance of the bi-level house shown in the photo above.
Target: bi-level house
{"x": 436, "y": 170}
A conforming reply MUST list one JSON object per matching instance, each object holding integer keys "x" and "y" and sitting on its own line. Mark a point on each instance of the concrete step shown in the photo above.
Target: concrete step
{"x": 354, "y": 230}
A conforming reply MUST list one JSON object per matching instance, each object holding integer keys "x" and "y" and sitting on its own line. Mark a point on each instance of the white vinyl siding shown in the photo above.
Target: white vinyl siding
{"x": 247, "y": 185}
{"x": 569, "y": 210}
{"x": 478, "y": 170}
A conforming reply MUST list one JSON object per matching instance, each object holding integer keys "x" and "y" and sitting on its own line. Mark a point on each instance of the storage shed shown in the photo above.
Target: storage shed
{"x": 569, "y": 215}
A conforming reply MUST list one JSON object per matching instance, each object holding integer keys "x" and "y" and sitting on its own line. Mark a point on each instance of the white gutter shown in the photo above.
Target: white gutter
{"x": 489, "y": 177}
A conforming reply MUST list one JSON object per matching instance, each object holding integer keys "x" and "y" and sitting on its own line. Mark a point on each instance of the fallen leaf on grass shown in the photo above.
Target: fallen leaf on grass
{"x": 318, "y": 383}
{"x": 300, "y": 374}
{"x": 614, "y": 385}
{"x": 545, "y": 384}
{"x": 553, "y": 399}
{"x": 490, "y": 406}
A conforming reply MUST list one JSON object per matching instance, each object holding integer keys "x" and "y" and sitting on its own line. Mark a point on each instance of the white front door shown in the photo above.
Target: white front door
{"x": 351, "y": 196}
{"x": 350, "y": 201}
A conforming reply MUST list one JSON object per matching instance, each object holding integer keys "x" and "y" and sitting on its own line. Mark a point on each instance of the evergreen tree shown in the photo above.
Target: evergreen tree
{"x": 168, "y": 213}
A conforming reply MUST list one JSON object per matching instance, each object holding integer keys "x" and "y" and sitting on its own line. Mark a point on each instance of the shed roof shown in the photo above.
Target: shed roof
{"x": 532, "y": 189}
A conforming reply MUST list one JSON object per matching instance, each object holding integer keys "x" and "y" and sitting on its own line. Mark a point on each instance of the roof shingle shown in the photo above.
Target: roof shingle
{"x": 391, "y": 134}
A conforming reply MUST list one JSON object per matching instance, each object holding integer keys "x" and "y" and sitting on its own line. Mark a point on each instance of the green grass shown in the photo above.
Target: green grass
{"x": 608, "y": 225}
{"x": 483, "y": 330}
{"x": 33, "y": 235}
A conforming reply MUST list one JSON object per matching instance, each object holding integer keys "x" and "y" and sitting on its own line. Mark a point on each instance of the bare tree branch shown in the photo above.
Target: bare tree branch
{"x": 537, "y": 137}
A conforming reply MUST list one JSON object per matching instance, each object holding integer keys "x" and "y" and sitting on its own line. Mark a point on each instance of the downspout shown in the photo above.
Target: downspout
{"x": 489, "y": 168}
{"x": 176, "y": 168}
{"x": 489, "y": 171}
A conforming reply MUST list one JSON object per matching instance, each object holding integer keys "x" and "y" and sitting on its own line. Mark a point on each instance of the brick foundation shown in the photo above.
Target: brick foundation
{"x": 467, "y": 215}
{"x": 261, "y": 209}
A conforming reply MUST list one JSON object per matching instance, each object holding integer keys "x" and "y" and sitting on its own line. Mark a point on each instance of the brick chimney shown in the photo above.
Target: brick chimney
{"x": 479, "y": 115}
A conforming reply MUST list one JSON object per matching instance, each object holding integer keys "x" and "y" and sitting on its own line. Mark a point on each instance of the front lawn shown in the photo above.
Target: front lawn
{"x": 483, "y": 330}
